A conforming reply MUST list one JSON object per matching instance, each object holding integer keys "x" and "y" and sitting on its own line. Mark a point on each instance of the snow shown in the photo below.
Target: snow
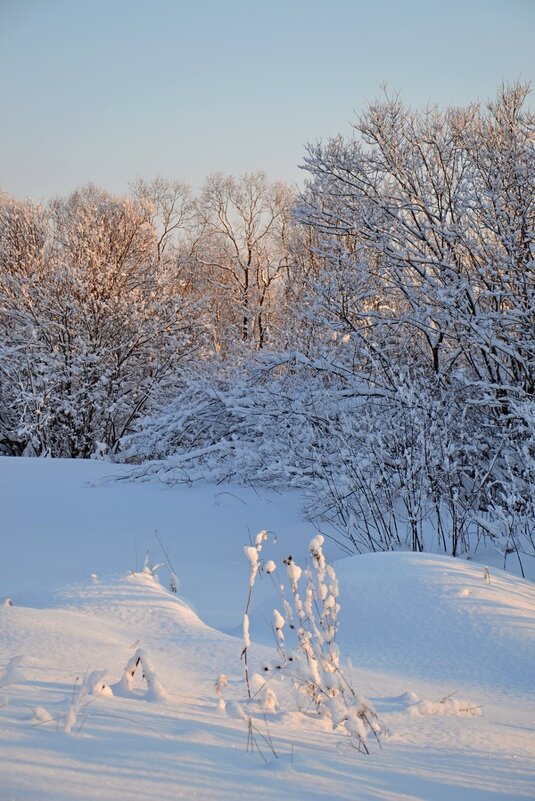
{"x": 444, "y": 653}
{"x": 77, "y": 521}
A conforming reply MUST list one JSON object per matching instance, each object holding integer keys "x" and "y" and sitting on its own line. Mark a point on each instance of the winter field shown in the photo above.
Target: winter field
{"x": 444, "y": 649}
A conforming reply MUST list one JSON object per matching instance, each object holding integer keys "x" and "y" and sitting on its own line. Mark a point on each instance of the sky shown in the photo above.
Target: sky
{"x": 106, "y": 91}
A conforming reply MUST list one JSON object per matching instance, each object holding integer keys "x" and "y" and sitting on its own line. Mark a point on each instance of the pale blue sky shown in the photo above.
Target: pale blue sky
{"x": 108, "y": 91}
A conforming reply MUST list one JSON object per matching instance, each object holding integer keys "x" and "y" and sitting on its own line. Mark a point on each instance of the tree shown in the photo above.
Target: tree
{"x": 439, "y": 208}
{"x": 94, "y": 324}
{"x": 242, "y": 253}
{"x": 23, "y": 234}
{"x": 426, "y": 224}
{"x": 170, "y": 208}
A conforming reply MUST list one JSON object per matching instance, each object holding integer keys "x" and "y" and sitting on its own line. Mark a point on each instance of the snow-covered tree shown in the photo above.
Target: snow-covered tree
{"x": 94, "y": 324}
{"x": 425, "y": 223}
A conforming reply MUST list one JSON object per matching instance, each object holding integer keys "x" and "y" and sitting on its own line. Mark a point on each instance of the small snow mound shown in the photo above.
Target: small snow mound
{"x": 408, "y": 697}
{"x": 11, "y": 673}
{"x": 41, "y": 715}
{"x": 256, "y": 682}
{"x": 269, "y": 700}
{"x": 464, "y": 593}
{"x": 282, "y": 763}
{"x": 235, "y": 710}
{"x": 446, "y": 706}
{"x": 100, "y": 687}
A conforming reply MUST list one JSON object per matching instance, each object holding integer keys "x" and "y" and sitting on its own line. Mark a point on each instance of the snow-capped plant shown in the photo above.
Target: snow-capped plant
{"x": 315, "y": 666}
{"x": 155, "y": 691}
{"x": 220, "y": 684}
{"x": 92, "y": 685}
{"x": 150, "y": 568}
{"x": 312, "y": 662}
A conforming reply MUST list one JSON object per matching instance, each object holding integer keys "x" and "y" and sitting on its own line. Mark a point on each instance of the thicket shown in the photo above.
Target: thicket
{"x": 371, "y": 340}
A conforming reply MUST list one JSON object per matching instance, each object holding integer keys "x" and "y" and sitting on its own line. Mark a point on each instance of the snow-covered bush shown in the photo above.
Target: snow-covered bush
{"x": 419, "y": 467}
{"x": 235, "y": 423}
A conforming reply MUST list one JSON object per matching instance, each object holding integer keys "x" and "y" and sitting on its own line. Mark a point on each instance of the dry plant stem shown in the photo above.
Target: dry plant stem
{"x": 252, "y": 741}
{"x": 252, "y": 552}
{"x": 246, "y": 646}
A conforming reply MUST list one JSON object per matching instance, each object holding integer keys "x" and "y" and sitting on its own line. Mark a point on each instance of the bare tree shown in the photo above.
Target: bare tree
{"x": 243, "y": 251}
{"x": 169, "y": 206}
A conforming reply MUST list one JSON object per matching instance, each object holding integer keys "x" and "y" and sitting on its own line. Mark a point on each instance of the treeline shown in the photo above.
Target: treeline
{"x": 106, "y": 302}
{"x": 371, "y": 339}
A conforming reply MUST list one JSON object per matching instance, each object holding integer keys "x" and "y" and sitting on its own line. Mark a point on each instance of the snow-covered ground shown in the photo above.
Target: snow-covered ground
{"x": 444, "y": 649}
